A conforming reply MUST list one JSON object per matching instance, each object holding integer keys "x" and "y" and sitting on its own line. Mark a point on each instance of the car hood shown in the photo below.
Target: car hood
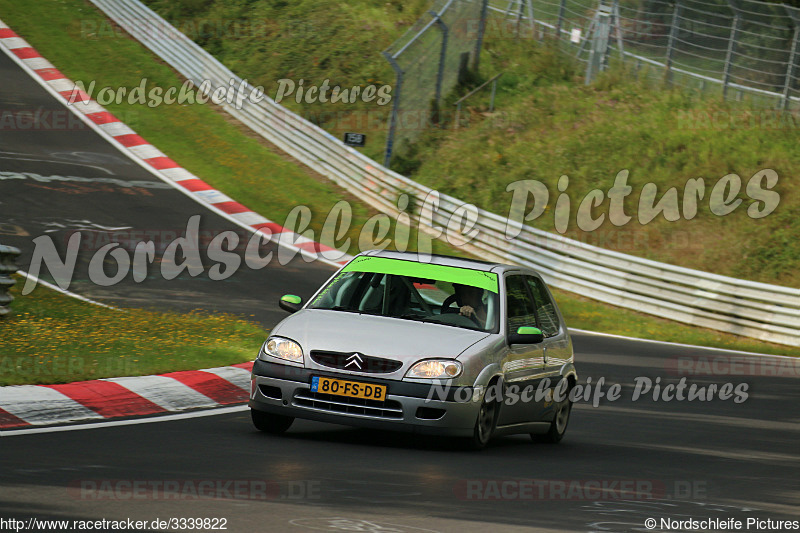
{"x": 394, "y": 338}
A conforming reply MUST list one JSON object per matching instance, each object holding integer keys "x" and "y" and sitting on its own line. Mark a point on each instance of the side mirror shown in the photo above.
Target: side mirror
{"x": 526, "y": 335}
{"x": 291, "y": 303}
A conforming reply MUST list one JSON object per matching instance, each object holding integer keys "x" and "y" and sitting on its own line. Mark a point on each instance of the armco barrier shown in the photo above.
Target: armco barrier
{"x": 759, "y": 310}
{"x": 7, "y": 267}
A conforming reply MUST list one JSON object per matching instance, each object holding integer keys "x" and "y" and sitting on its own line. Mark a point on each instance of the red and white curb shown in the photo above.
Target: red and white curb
{"x": 37, "y": 405}
{"x": 152, "y": 159}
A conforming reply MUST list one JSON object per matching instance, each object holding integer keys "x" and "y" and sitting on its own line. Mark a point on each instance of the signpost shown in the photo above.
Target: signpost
{"x": 355, "y": 139}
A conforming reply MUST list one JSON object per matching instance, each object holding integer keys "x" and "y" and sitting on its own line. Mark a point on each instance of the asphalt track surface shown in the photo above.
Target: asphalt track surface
{"x": 33, "y": 207}
{"x": 713, "y": 459}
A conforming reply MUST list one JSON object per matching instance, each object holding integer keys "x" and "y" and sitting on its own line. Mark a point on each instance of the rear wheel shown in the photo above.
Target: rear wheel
{"x": 270, "y": 423}
{"x": 558, "y": 426}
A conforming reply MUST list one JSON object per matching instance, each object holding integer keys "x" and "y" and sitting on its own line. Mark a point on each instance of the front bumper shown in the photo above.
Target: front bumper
{"x": 286, "y": 390}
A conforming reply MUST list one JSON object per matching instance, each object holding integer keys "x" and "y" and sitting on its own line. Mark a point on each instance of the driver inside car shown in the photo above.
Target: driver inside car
{"x": 470, "y": 302}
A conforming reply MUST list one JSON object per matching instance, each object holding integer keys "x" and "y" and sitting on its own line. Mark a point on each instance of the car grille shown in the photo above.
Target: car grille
{"x": 355, "y": 362}
{"x": 351, "y": 406}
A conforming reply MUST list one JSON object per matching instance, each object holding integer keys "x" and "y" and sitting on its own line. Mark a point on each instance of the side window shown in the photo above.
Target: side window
{"x": 519, "y": 304}
{"x": 545, "y": 308}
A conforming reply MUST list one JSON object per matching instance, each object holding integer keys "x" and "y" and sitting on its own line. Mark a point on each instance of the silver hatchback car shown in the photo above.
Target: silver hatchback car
{"x": 442, "y": 346}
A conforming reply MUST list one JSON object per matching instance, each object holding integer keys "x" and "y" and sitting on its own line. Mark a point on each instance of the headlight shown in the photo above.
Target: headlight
{"x": 435, "y": 369}
{"x": 284, "y": 349}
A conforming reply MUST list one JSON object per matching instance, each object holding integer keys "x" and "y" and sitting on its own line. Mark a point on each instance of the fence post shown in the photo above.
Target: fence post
{"x": 599, "y": 51}
{"x": 481, "y": 31}
{"x": 458, "y": 103}
{"x": 731, "y": 47}
{"x": 398, "y": 72}
{"x": 531, "y": 19}
{"x": 790, "y": 65}
{"x": 442, "y": 58}
{"x": 673, "y": 34}
{"x": 561, "y": 7}
{"x": 7, "y": 267}
{"x": 615, "y": 16}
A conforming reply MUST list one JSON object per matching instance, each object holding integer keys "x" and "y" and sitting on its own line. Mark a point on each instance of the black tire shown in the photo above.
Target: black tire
{"x": 270, "y": 423}
{"x": 485, "y": 423}
{"x": 558, "y": 426}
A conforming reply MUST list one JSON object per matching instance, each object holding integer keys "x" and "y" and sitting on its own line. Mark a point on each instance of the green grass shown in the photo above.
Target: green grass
{"x": 548, "y": 104}
{"x": 200, "y": 138}
{"x": 549, "y": 124}
{"x": 311, "y": 40}
{"x": 52, "y": 338}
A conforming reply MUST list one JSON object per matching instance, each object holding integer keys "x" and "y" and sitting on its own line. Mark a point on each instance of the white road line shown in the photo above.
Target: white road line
{"x": 65, "y": 292}
{"x": 667, "y": 343}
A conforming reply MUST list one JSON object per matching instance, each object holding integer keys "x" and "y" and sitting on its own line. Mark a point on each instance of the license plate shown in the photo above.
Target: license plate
{"x": 353, "y": 389}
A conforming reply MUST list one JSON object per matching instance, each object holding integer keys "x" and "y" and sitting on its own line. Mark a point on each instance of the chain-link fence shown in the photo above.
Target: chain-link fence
{"x": 733, "y": 47}
{"x": 428, "y": 61}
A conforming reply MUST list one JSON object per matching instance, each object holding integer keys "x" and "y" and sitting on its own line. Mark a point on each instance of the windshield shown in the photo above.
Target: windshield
{"x": 409, "y": 290}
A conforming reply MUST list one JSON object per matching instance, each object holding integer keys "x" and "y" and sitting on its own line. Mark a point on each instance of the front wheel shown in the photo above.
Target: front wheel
{"x": 558, "y": 426}
{"x": 270, "y": 423}
{"x": 485, "y": 424}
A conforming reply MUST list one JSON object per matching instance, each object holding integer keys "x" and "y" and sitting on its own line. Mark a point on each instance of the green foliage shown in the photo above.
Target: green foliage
{"x": 547, "y": 123}
{"x": 51, "y": 338}
{"x": 265, "y": 41}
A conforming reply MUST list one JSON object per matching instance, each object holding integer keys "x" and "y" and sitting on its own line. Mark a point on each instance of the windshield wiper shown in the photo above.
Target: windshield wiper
{"x": 420, "y": 318}
{"x": 431, "y": 320}
{"x": 349, "y": 310}
{"x": 341, "y": 308}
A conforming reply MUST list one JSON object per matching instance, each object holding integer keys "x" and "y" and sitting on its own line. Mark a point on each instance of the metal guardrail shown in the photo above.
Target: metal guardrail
{"x": 758, "y": 310}
{"x": 7, "y": 267}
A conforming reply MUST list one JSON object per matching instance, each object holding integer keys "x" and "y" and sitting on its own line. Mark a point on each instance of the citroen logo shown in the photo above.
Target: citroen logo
{"x": 354, "y": 359}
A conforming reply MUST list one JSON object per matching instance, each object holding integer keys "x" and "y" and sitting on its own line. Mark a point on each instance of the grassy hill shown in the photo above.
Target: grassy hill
{"x": 546, "y": 124}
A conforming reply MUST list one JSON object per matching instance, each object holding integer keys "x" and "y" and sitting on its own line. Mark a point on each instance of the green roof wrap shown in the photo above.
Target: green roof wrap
{"x": 400, "y": 267}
